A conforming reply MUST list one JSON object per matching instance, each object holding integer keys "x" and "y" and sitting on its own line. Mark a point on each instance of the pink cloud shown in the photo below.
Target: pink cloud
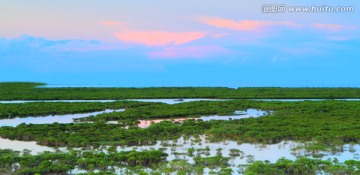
{"x": 112, "y": 23}
{"x": 187, "y": 52}
{"x": 245, "y": 25}
{"x": 220, "y": 35}
{"x": 333, "y": 27}
{"x": 159, "y": 38}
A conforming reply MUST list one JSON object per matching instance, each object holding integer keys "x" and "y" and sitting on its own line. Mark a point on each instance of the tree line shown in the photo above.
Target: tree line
{"x": 31, "y": 91}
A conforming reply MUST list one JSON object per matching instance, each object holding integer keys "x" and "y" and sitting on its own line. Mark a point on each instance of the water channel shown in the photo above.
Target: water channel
{"x": 177, "y": 149}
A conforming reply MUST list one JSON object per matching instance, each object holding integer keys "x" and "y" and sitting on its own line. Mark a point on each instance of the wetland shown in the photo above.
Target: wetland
{"x": 178, "y": 130}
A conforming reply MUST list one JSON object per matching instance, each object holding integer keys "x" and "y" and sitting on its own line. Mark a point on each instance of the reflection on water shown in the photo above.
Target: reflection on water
{"x": 167, "y": 101}
{"x": 242, "y": 114}
{"x": 53, "y": 101}
{"x": 178, "y": 149}
{"x": 173, "y": 101}
{"x": 21, "y": 145}
{"x": 239, "y": 115}
{"x": 68, "y": 118}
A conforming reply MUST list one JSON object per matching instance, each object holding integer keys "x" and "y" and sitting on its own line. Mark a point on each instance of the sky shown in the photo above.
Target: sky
{"x": 228, "y": 43}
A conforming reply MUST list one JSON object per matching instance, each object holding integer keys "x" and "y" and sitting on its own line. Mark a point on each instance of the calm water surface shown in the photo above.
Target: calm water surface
{"x": 240, "y": 115}
{"x": 171, "y": 101}
{"x": 21, "y": 145}
{"x": 68, "y": 118}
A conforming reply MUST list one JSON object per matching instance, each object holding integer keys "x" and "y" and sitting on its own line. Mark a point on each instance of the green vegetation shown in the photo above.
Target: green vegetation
{"x": 303, "y": 166}
{"x": 42, "y": 108}
{"x": 321, "y": 126}
{"x": 327, "y": 122}
{"x": 62, "y": 163}
{"x": 28, "y": 91}
{"x": 166, "y": 111}
{"x": 95, "y": 134}
{"x": 135, "y": 162}
{"x": 212, "y": 162}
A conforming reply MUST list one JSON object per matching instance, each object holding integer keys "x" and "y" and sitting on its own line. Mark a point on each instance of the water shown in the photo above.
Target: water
{"x": 178, "y": 150}
{"x": 16, "y": 145}
{"x": 244, "y": 114}
{"x": 172, "y": 101}
{"x": 53, "y": 101}
{"x": 258, "y": 151}
{"x": 68, "y": 118}
{"x": 167, "y": 101}
{"x": 176, "y": 101}
{"x": 240, "y": 115}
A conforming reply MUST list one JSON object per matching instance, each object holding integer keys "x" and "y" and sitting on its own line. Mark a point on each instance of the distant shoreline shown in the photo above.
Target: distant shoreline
{"x": 29, "y": 91}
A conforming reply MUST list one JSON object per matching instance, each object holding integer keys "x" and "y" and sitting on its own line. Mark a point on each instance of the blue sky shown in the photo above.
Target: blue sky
{"x": 186, "y": 43}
